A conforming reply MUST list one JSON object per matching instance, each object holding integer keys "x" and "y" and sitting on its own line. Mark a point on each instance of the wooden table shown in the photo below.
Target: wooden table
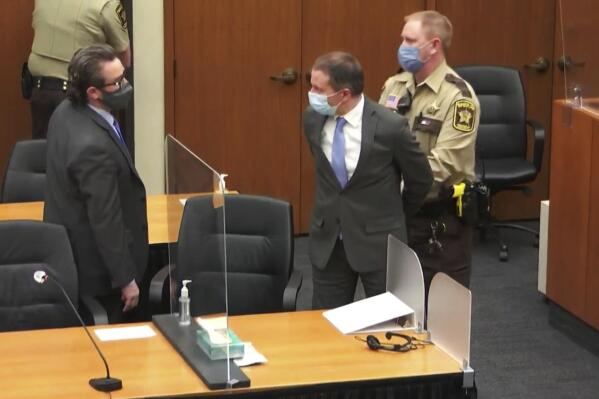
{"x": 302, "y": 349}
{"x": 164, "y": 215}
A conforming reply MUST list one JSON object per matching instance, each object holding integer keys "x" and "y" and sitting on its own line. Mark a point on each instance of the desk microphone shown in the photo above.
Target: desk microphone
{"x": 104, "y": 384}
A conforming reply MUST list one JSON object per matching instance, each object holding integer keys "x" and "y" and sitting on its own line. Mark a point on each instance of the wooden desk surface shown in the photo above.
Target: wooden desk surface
{"x": 164, "y": 215}
{"x": 302, "y": 349}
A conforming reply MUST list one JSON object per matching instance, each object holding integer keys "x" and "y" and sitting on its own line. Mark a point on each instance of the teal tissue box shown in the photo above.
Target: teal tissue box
{"x": 218, "y": 350}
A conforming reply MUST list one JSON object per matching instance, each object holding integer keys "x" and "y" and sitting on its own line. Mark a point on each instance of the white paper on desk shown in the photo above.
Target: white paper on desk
{"x": 183, "y": 201}
{"x": 250, "y": 356}
{"x": 122, "y": 333}
{"x": 370, "y": 314}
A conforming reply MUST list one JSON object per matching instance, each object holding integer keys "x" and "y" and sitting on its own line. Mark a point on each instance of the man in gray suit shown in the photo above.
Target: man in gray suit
{"x": 92, "y": 187}
{"x": 362, "y": 153}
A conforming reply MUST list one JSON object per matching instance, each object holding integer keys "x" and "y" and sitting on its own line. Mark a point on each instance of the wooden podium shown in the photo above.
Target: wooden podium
{"x": 573, "y": 258}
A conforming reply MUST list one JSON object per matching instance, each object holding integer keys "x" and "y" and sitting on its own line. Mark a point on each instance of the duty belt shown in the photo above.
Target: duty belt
{"x": 50, "y": 83}
{"x": 437, "y": 208}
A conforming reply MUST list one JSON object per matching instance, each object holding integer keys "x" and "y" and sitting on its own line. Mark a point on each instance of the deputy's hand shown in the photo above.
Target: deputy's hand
{"x": 130, "y": 296}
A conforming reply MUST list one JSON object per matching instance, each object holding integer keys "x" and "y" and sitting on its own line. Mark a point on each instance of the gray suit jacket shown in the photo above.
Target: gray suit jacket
{"x": 371, "y": 205}
{"x": 93, "y": 189}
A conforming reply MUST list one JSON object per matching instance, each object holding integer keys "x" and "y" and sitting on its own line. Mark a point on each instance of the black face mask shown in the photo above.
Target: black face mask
{"x": 119, "y": 99}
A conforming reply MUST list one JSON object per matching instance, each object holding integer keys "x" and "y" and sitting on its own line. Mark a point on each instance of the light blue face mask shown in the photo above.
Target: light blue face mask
{"x": 320, "y": 103}
{"x": 409, "y": 57}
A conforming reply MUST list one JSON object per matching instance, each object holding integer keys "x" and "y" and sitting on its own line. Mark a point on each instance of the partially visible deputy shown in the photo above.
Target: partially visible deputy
{"x": 61, "y": 27}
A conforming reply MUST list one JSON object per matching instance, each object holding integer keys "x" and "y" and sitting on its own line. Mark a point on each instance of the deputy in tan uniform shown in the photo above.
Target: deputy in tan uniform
{"x": 62, "y": 27}
{"x": 443, "y": 113}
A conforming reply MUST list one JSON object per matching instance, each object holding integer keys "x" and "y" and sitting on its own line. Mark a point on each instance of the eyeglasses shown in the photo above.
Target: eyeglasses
{"x": 118, "y": 83}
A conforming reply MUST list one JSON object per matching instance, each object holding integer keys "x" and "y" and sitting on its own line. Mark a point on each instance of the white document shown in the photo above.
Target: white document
{"x": 183, "y": 201}
{"x": 250, "y": 356}
{"x": 377, "y": 313}
{"x": 122, "y": 333}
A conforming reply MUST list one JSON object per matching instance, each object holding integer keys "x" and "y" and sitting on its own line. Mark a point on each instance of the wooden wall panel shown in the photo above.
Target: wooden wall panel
{"x": 510, "y": 33}
{"x": 15, "y": 45}
{"x": 569, "y": 209}
{"x": 592, "y": 272}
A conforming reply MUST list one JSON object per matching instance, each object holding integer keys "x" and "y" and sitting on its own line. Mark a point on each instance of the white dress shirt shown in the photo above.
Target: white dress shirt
{"x": 353, "y": 136}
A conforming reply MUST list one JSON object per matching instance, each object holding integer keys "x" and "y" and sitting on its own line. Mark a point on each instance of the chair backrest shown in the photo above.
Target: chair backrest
{"x": 25, "y": 247}
{"x": 259, "y": 240}
{"x": 25, "y": 177}
{"x": 502, "y": 128}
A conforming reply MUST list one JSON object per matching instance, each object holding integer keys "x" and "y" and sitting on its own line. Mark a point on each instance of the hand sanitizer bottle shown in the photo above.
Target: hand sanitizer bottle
{"x": 184, "y": 314}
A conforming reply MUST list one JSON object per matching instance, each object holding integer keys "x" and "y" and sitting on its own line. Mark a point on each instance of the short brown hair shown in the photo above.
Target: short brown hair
{"x": 434, "y": 24}
{"x": 344, "y": 70}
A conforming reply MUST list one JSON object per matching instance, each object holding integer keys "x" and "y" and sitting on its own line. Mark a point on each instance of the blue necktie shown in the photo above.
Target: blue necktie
{"x": 117, "y": 129}
{"x": 338, "y": 153}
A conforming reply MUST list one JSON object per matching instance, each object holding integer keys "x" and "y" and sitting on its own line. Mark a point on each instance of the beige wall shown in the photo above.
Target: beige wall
{"x": 148, "y": 54}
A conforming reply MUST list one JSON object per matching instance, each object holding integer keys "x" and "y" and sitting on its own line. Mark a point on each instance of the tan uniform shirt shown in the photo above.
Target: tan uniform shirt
{"x": 64, "y": 26}
{"x": 443, "y": 114}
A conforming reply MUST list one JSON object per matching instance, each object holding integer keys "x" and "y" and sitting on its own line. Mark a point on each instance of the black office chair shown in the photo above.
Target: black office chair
{"x": 25, "y": 175}
{"x": 259, "y": 257}
{"x": 26, "y": 247}
{"x": 501, "y": 146}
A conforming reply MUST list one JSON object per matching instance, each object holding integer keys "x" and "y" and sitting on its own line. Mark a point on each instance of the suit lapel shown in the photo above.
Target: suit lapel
{"x": 369, "y": 124}
{"x": 100, "y": 121}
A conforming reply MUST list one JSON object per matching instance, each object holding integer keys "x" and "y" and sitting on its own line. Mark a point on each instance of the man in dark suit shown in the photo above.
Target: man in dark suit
{"x": 362, "y": 153}
{"x": 92, "y": 186}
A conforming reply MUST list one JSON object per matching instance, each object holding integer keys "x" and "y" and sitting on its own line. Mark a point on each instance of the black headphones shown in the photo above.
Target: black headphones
{"x": 409, "y": 344}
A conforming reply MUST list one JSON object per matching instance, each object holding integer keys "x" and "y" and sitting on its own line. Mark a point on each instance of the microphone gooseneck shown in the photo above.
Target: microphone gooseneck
{"x": 105, "y": 384}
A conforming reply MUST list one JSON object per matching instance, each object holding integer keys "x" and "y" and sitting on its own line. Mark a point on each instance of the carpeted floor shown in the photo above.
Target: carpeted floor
{"x": 515, "y": 352}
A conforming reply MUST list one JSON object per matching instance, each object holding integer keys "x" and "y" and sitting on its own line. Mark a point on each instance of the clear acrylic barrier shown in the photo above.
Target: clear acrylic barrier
{"x": 577, "y": 55}
{"x": 197, "y": 218}
{"x": 405, "y": 279}
{"x": 449, "y": 317}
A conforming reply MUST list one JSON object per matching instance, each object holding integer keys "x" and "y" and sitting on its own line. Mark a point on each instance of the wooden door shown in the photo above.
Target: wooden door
{"x": 511, "y": 33}
{"x": 15, "y": 45}
{"x": 371, "y": 31}
{"x": 226, "y": 108}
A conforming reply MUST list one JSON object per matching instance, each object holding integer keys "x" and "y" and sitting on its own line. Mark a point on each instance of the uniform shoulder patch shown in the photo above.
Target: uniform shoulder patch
{"x": 460, "y": 84}
{"x": 464, "y": 116}
{"x": 121, "y": 15}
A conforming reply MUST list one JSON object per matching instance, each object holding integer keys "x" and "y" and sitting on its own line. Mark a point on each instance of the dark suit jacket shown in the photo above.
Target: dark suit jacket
{"x": 371, "y": 205}
{"x": 93, "y": 189}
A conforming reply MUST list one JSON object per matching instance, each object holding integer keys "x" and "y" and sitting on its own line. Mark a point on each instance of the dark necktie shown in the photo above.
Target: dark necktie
{"x": 117, "y": 129}
{"x": 338, "y": 152}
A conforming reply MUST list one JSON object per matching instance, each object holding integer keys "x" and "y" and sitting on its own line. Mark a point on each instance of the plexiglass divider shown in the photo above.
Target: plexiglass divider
{"x": 577, "y": 55}
{"x": 196, "y": 209}
{"x": 449, "y": 317}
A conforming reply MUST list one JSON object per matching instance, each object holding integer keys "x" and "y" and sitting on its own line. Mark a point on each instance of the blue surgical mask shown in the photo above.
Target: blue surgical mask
{"x": 409, "y": 57}
{"x": 320, "y": 103}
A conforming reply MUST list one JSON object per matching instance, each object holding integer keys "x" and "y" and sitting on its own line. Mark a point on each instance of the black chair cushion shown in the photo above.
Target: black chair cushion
{"x": 25, "y": 177}
{"x": 505, "y": 172}
{"x": 259, "y": 254}
{"x": 25, "y": 247}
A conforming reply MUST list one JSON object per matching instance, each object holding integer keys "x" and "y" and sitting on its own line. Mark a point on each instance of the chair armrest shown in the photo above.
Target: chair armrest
{"x": 94, "y": 309}
{"x": 157, "y": 285}
{"x": 291, "y": 291}
{"x": 539, "y": 143}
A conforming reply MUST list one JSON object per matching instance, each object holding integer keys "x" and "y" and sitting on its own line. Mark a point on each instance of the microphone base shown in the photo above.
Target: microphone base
{"x": 106, "y": 384}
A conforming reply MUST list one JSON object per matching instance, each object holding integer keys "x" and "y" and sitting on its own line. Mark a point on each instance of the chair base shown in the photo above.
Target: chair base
{"x": 503, "y": 254}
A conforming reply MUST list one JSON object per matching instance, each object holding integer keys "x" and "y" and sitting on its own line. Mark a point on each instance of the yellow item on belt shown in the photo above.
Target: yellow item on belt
{"x": 458, "y": 192}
